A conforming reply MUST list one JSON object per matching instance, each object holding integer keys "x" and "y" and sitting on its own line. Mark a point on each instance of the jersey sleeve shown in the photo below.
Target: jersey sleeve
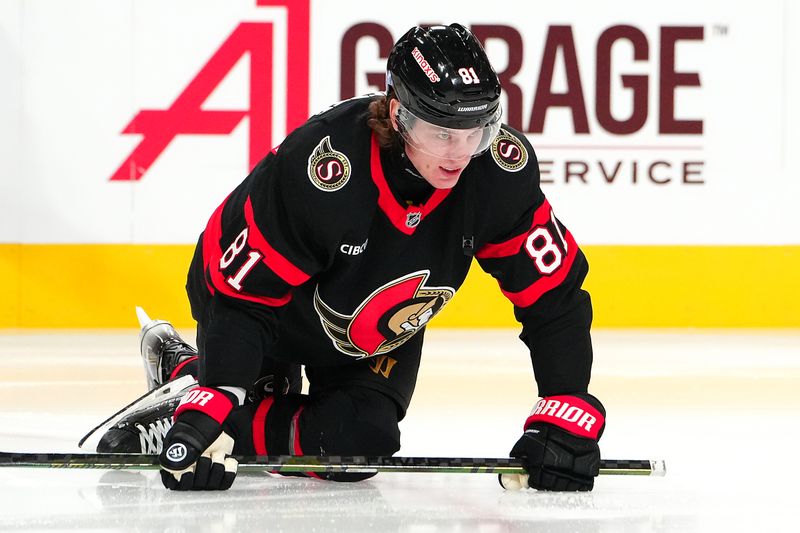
{"x": 273, "y": 233}
{"x": 540, "y": 269}
{"x": 266, "y": 238}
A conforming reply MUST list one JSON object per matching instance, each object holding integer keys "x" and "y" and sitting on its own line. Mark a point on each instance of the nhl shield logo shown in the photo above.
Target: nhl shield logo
{"x": 413, "y": 219}
{"x": 328, "y": 169}
{"x": 508, "y": 152}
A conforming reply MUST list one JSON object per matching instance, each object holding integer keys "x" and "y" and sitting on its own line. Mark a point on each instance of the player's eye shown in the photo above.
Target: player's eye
{"x": 443, "y": 135}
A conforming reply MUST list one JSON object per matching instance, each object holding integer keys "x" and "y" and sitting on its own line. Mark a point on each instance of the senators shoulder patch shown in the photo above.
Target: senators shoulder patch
{"x": 328, "y": 169}
{"x": 508, "y": 152}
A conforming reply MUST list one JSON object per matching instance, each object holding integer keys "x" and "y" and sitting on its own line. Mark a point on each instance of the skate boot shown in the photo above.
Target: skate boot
{"x": 141, "y": 426}
{"x": 162, "y": 349}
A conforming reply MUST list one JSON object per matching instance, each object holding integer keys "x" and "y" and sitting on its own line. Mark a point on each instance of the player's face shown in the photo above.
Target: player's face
{"x": 440, "y": 172}
{"x": 439, "y": 154}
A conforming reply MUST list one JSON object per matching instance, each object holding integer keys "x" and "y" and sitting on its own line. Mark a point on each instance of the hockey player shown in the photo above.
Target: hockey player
{"x": 336, "y": 252}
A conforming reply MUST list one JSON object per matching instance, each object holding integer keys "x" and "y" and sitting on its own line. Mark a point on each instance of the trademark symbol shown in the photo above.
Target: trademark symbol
{"x": 720, "y": 30}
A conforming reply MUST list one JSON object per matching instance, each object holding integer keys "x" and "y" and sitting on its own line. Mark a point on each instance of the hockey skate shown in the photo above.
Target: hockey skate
{"x": 141, "y": 429}
{"x": 162, "y": 349}
{"x": 141, "y": 426}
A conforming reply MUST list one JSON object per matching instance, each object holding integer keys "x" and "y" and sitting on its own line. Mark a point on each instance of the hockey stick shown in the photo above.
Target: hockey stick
{"x": 328, "y": 464}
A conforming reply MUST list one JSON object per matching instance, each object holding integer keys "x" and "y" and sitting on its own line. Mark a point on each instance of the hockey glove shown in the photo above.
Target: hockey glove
{"x": 195, "y": 450}
{"x": 559, "y": 448}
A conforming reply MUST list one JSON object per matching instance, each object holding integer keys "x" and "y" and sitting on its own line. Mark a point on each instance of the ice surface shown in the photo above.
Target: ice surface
{"x": 722, "y": 408}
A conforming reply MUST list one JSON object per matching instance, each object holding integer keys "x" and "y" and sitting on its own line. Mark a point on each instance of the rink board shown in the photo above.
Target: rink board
{"x": 631, "y": 286}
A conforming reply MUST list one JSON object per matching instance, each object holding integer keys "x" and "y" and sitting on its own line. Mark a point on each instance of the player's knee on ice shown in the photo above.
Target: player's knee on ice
{"x": 352, "y": 421}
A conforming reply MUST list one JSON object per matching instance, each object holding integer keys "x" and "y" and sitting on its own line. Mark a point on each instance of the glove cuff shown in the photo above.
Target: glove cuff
{"x": 208, "y": 401}
{"x": 570, "y": 413}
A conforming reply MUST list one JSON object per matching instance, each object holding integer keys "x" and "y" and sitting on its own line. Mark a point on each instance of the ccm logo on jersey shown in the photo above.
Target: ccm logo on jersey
{"x": 508, "y": 152}
{"x": 328, "y": 169}
{"x": 568, "y": 412}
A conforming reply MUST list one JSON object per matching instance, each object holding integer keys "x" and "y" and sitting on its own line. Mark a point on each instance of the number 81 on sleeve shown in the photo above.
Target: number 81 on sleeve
{"x": 542, "y": 248}
{"x": 236, "y": 247}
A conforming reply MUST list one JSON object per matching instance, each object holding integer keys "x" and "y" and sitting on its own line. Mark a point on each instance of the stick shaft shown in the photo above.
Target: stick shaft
{"x": 329, "y": 464}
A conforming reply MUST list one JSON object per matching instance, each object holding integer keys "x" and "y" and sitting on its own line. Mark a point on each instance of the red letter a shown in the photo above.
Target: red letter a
{"x": 159, "y": 127}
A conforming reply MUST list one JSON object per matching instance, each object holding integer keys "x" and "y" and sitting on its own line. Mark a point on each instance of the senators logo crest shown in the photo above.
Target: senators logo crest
{"x": 328, "y": 169}
{"x": 386, "y": 319}
{"x": 508, "y": 152}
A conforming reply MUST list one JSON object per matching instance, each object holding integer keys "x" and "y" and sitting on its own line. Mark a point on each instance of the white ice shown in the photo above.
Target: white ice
{"x": 721, "y": 408}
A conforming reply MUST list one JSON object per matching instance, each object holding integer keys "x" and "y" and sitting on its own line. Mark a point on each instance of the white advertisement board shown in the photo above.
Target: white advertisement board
{"x": 666, "y": 123}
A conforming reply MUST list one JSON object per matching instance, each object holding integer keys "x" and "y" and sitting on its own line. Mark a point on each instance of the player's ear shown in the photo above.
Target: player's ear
{"x": 394, "y": 106}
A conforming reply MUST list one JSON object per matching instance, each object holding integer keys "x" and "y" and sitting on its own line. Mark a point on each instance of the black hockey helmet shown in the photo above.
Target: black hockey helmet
{"x": 448, "y": 92}
{"x": 441, "y": 74}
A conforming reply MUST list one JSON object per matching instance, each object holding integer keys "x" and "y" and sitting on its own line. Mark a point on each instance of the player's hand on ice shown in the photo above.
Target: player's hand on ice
{"x": 196, "y": 448}
{"x": 559, "y": 448}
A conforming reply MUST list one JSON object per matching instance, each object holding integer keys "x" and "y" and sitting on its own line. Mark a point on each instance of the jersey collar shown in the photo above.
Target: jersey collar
{"x": 404, "y": 218}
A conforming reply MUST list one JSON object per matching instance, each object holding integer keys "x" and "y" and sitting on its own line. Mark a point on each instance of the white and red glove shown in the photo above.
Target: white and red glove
{"x": 559, "y": 448}
{"x": 196, "y": 448}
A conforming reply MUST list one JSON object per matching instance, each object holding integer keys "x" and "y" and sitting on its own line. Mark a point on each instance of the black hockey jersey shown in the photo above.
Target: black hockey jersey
{"x": 318, "y": 258}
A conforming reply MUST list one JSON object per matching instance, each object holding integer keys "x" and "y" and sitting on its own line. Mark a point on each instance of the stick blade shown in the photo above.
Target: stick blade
{"x": 659, "y": 468}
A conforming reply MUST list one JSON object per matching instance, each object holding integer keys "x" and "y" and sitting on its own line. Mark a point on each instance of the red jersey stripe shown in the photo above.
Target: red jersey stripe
{"x": 512, "y": 246}
{"x": 296, "y": 449}
{"x": 529, "y": 296}
{"x": 211, "y": 237}
{"x": 284, "y": 268}
{"x": 218, "y": 279}
{"x": 215, "y": 280}
{"x": 260, "y": 426}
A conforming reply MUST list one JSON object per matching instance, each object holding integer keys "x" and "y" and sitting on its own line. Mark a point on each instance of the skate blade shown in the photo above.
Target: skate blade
{"x": 146, "y": 324}
{"x": 153, "y": 397}
{"x": 142, "y": 317}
